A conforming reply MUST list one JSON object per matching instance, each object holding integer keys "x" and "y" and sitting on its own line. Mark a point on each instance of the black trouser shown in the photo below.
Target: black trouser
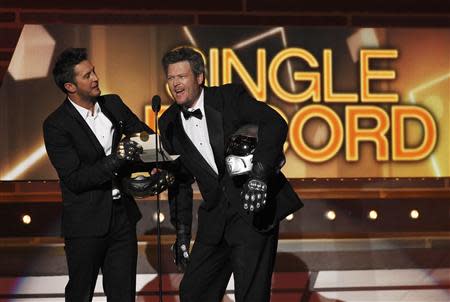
{"x": 115, "y": 254}
{"x": 246, "y": 253}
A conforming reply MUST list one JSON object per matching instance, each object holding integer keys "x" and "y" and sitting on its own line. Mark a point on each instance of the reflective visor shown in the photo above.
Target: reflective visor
{"x": 241, "y": 145}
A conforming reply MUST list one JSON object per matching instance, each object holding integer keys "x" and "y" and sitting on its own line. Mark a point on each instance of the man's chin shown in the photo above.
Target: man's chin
{"x": 184, "y": 102}
{"x": 181, "y": 102}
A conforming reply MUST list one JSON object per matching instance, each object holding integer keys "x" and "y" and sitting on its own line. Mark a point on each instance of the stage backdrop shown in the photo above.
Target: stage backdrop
{"x": 360, "y": 102}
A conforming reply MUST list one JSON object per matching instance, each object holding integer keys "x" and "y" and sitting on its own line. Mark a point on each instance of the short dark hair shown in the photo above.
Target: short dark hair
{"x": 184, "y": 53}
{"x": 63, "y": 70}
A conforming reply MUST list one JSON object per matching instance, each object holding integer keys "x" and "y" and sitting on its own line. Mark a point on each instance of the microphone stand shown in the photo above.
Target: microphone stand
{"x": 156, "y": 104}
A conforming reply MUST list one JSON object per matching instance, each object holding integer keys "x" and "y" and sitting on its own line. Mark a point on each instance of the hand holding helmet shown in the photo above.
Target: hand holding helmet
{"x": 143, "y": 186}
{"x": 129, "y": 150}
{"x": 254, "y": 191}
{"x": 239, "y": 161}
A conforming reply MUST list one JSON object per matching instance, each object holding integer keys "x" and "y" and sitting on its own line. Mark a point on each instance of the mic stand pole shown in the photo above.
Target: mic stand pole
{"x": 158, "y": 222}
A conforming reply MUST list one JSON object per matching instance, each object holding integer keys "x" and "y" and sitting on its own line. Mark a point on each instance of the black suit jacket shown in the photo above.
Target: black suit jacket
{"x": 78, "y": 157}
{"x": 227, "y": 108}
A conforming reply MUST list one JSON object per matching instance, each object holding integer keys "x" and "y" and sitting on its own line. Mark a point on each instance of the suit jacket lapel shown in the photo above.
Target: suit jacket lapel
{"x": 76, "y": 115}
{"x": 118, "y": 127}
{"x": 189, "y": 147}
{"x": 215, "y": 132}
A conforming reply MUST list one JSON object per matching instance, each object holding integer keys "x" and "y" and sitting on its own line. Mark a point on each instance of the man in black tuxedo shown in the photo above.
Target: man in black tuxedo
{"x": 237, "y": 230}
{"x": 99, "y": 218}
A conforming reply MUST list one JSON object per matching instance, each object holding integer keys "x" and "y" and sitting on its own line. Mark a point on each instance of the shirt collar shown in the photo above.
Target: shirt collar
{"x": 85, "y": 113}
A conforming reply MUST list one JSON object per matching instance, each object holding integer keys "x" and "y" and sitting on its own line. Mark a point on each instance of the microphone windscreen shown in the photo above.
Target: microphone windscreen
{"x": 156, "y": 103}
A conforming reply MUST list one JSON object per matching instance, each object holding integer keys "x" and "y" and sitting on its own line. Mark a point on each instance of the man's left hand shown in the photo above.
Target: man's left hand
{"x": 143, "y": 186}
{"x": 254, "y": 195}
{"x": 254, "y": 192}
{"x": 180, "y": 249}
{"x": 129, "y": 150}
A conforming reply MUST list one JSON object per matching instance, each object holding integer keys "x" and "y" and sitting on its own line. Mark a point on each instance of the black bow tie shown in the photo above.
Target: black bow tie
{"x": 196, "y": 113}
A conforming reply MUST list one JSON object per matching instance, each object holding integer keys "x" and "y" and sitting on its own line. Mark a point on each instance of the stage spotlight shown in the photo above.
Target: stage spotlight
{"x": 330, "y": 215}
{"x": 414, "y": 214}
{"x": 26, "y": 219}
{"x": 161, "y": 217}
{"x": 373, "y": 215}
{"x": 289, "y": 217}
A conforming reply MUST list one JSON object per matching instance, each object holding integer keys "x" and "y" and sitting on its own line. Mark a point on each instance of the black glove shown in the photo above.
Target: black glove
{"x": 143, "y": 186}
{"x": 127, "y": 150}
{"x": 254, "y": 191}
{"x": 180, "y": 249}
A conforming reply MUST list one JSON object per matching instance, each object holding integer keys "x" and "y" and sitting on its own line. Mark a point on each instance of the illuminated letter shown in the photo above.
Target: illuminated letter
{"x": 354, "y": 134}
{"x": 230, "y": 60}
{"x": 399, "y": 151}
{"x": 329, "y": 95}
{"x": 214, "y": 67}
{"x": 366, "y": 75}
{"x": 314, "y": 77}
{"x": 296, "y": 130}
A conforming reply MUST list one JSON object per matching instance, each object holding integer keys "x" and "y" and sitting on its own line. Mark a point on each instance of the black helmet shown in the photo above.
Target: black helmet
{"x": 240, "y": 148}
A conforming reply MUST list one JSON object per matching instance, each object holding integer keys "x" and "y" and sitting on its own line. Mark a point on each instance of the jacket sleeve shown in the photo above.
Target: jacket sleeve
{"x": 129, "y": 121}
{"x": 76, "y": 175}
{"x": 181, "y": 198}
{"x": 180, "y": 193}
{"x": 272, "y": 129}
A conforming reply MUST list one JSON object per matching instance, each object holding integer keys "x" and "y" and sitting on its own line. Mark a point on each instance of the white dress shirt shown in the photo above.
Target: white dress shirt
{"x": 99, "y": 124}
{"x": 102, "y": 128}
{"x": 197, "y": 131}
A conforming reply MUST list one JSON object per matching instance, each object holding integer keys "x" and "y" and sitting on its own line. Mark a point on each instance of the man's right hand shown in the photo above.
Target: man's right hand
{"x": 129, "y": 150}
{"x": 180, "y": 250}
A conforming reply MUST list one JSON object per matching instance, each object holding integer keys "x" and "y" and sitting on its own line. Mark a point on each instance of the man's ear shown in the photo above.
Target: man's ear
{"x": 201, "y": 78}
{"x": 70, "y": 87}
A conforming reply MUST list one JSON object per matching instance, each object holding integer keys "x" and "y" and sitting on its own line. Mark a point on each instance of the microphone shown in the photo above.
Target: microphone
{"x": 156, "y": 106}
{"x": 156, "y": 103}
